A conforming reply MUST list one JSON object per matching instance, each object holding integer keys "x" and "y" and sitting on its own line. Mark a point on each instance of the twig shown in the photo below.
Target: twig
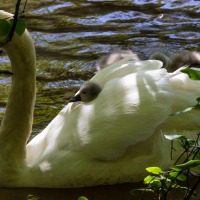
{"x": 22, "y": 15}
{"x": 12, "y": 30}
{"x": 192, "y": 190}
{"x": 6, "y": 72}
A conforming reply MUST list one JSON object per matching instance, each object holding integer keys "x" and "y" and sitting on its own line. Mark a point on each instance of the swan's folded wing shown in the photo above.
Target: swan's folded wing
{"x": 127, "y": 111}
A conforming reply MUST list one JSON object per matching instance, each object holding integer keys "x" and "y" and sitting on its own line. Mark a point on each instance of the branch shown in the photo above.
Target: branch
{"x": 12, "y": 30}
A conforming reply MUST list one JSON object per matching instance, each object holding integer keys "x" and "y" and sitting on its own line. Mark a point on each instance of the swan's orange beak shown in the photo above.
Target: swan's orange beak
{"x": 75, "y": 98}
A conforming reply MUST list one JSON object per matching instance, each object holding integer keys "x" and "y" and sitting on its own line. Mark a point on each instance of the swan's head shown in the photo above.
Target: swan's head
{"x": 88, "y": 91}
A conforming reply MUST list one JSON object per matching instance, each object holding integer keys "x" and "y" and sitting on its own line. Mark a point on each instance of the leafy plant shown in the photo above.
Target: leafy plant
{"x": 6, "y": 25}
{"x": 160, "y": 182}
{"x": 192, "y": 73}
{"x": 82, "y": 198}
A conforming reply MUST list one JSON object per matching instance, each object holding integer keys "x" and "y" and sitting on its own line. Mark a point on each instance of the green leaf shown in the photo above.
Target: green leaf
{"x": 154, "y": 170}
{"x": 187, "y": 165}
{"x": 20, "y": 26}
{"x": 191, "y": 142}
{"x": 148, "y": 179}
{"x": 4, "y": 27}
{"x": 198, "y": 99}
{"x": 178, "y": 176}
{"x": 168, "y": 183}
{"x": 182, "y": 111}
{"x": 184, "y": 142}
{"x": 193, "y": 74}
{"x": 197, "y": 156}
{"x": 153, "y": 182}
{"x": 82, "y": 198}
{"x": 173, "y": 137}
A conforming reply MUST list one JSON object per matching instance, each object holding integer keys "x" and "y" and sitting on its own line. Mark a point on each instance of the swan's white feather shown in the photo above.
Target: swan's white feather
{"x": 116, "y": 136}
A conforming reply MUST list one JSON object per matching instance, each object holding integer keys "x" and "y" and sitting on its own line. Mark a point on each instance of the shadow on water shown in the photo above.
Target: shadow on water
{"x": 96, "y": 193}
{"x": 71, "y": 35}
{"x": 116, "y": 192}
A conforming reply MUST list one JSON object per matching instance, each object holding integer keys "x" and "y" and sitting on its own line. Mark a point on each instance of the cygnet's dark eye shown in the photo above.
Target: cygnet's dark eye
{"x": 84, "y": 92}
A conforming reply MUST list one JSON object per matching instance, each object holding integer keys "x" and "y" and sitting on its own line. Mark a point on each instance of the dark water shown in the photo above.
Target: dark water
{"x": 71, "y": 35}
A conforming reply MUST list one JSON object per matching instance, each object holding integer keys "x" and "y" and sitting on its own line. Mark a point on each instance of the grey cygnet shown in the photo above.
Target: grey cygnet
{"x": 114, "y": 57}
{"x": 178, "y": 60}
{"x": 88, "y": 92}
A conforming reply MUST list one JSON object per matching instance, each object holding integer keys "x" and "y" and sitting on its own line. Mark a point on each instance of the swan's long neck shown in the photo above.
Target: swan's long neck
{"x": 17, "y": 122}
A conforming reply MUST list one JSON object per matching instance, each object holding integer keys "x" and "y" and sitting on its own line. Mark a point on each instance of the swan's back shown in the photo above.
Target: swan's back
{"x": 116, "y": 136}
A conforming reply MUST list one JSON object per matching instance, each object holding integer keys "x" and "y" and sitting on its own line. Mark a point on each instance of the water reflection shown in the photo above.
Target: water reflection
{"x": 71, "y": 36}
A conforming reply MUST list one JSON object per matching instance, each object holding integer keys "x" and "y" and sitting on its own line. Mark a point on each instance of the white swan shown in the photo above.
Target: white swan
{"x": 109, "y": 140}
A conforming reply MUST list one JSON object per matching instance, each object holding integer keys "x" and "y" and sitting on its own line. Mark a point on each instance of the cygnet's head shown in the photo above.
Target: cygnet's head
{"x": 177, "y": 60}
{"x": 163, "y": 58}
{"x": 114, "y": 57}
{"x": 190, "y": 58}
{"x": 88, "y": 92}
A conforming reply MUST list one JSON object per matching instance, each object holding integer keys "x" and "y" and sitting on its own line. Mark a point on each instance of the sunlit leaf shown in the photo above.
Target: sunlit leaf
{"x": 153, "y": 182}
{"x": 32, "y": 197}
{"x": 182, "y": 111}
{"x": 154, "y": 170}
{"x": 173, "y": 137}
{"x": 184, "y": 142}
{"x": 178, "y": 176}
{"x": 4, "y": 27}
{"x": 82, "y": 198}
{"x": 193, "y": 74}
{"x": 191, "y": 142}
{"x": 148, "y": 179}
{"x": 187, "y": 165}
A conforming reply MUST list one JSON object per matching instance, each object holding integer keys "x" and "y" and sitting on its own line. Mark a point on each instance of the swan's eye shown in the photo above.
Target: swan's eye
{"x": 84, "y": 92}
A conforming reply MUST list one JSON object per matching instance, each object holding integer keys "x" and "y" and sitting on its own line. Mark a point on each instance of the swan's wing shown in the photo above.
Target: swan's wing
{"x": 186, "y": 91}
{"x": 123, "y": 124}
{"x": 124, "y": 67}
{"x": 127, "y": 111}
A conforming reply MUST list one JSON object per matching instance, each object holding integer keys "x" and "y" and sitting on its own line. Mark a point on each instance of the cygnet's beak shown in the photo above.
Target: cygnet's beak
{"x": 75, "y": 98}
